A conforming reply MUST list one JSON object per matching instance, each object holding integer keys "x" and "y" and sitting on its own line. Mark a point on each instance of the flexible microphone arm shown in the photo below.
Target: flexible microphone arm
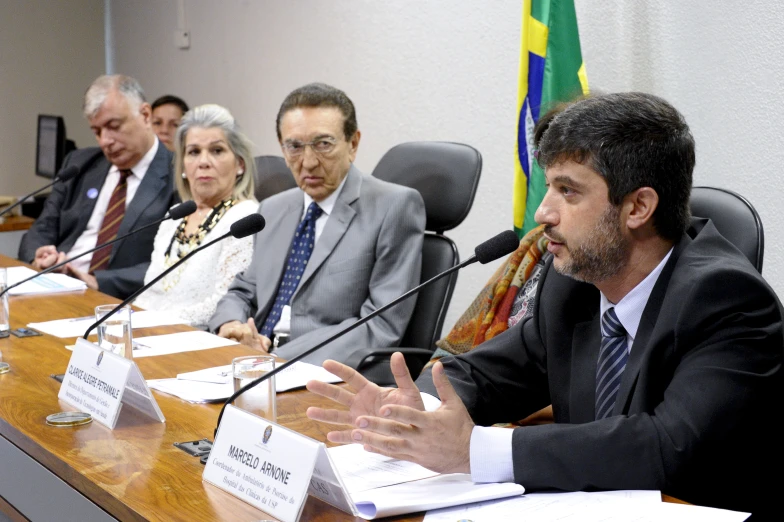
{"x": 239, "y": 229}
{"x": 148, "y": 285}
{"x": 186, "y": 211}
{"x": 492, "y": 249}
{"x": 63, "y": 175}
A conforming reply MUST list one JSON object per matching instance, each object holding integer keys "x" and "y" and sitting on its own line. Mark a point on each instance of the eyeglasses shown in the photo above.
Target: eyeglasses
{"x": 321, "y": 146}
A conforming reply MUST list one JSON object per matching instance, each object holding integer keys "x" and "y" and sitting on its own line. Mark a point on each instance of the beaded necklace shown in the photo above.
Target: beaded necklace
{"x": 182, "y": 244}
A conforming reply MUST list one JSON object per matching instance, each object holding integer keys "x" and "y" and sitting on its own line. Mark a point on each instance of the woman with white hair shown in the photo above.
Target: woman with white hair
{"x": 214, "y": 167}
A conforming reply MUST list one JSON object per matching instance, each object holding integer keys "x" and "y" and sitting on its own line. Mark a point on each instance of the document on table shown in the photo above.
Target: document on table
{"x": 382, "y": 486}
{"x": 605, "y": 506}
{"x": 176, "y": 342}
{"x": 46, "y": 284}
{"x": 76, "y": 326}
{"x": 216, "y": 384}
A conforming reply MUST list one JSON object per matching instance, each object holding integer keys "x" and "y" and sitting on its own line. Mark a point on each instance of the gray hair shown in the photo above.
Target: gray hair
{"x": 98, "y": 91}
{"x": 212, "y": 116}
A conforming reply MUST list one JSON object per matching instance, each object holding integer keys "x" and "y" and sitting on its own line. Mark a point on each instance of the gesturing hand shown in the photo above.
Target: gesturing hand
{"x": 367, "y": 397}
{"x": 438, "y": 440}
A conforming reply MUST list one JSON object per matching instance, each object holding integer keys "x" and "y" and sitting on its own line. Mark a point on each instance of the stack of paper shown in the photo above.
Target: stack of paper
{"x": 381, "y": 486}
{"x": 45, "y": 284}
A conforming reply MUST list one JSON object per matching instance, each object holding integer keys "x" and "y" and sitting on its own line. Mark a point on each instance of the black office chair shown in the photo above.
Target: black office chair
{"x": 734, "y": 217}
{"x": 447, "y": 176}
{"x": 272, "y": 176}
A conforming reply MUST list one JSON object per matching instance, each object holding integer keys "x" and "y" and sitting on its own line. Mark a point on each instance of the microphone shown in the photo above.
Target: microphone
{"x": 176, "y": 212}
{"x": 65, "y": 174}
{"x": 244, "y": 227}
{"x": 504, "y": 243}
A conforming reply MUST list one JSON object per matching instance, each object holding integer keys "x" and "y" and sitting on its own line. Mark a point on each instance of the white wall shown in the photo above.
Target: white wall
{"x": 49, "y": 53}
{"x": 447, "y": 70}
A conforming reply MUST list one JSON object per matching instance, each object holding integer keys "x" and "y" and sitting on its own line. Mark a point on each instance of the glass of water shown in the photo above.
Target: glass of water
{"x": 259, "y": 400}
{"x": 5, "y": 317}
{"x": 114, "y": 334}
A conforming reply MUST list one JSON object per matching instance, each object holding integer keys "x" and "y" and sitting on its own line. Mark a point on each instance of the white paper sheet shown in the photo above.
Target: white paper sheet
{"x": 76, "y": 326}
{"x": 46, "y": 284}
{"x": 361, "y": 470}
{"x": 430, "y": 493}
{"x": 216, "y": 385}
{"x": 606, "y": 506}
{"x": 176, "y": 342}
{"x": 295, "y": 376}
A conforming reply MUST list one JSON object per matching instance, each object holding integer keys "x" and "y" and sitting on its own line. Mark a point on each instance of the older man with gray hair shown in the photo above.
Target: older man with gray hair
{"x": 124, "y": 183}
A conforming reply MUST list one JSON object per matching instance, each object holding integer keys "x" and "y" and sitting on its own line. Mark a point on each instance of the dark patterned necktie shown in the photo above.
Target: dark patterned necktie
{"x": 299, "y": 254}
{"x": 612, "y": 361}
{"x": 111, "y": 223}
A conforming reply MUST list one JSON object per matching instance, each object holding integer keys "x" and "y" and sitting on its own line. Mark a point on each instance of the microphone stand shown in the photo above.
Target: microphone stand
{"x": 148, "y": 285}
{"x": 360, "y": 322}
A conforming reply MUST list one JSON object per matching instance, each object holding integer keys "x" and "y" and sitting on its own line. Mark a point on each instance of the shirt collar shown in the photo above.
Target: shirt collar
{"x": 629, "y": 309}
{"x": 140, "y": 169}
{"x": 329, "y": 202}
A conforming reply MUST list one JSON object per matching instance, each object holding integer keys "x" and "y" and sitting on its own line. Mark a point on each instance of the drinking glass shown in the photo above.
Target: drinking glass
{"x": 259, "y": 400}
{"x": 5, "y": 317}
{"x": 114, "y": 334}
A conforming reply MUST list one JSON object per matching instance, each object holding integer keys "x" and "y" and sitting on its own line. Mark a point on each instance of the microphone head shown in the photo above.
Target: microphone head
{"x": 504, "y": 243}
{"x": 185, "y": 208}
{"x": 247, "y": 226}
{"x": 67, "y": 173}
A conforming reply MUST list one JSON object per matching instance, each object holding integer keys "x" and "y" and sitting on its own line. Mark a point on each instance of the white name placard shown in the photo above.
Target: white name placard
{"x": 262, "y": 463}
{"x": 99, "y": 383}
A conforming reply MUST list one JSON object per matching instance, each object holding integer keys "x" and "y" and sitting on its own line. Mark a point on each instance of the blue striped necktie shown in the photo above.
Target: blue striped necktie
{"x": 612, "y": 361}
{"x": 299, "y": 254}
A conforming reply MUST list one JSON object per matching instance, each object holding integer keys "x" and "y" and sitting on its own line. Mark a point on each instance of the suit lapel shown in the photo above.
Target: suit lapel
{"x": 94, "y": 178}
{"x": 640, "y": 348}
{"x": 153, "y": 183}
{"x": 585, "y": 354}
{"x": 274, "y": 248}
{"x": 336, "y": 226}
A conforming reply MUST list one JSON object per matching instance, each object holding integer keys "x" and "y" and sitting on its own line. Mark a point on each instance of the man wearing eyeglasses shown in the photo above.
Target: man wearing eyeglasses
{"x": 334, "y": 249}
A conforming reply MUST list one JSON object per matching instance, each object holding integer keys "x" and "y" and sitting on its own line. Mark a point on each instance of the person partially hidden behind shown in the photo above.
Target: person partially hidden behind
{"x": 167, "y": 113}
{"x": 216, "y": 169}
{"x": 124, "y": 184}
{"x": 656, "y": 341}
{"x": 334, "y": 249}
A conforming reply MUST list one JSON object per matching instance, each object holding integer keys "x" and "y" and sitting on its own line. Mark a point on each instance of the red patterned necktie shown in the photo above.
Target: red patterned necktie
{"x": 111, "y": 223}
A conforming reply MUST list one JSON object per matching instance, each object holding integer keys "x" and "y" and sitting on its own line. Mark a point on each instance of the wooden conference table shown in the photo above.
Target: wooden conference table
{"x": 133, "y": 472}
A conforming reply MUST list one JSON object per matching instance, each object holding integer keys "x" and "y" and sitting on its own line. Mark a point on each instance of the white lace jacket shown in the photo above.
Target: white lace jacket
{"x": 192, "y": 291}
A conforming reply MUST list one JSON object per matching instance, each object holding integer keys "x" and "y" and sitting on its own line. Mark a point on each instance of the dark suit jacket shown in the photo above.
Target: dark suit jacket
{"x": 699, "y": 401}
{"x": 68, "y": 208}
{"x": 369, "y": 253}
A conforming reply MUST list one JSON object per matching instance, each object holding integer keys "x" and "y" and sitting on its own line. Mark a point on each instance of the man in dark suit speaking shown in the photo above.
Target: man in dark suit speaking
{"x": 124, "y": 184}
{"x": 657, "y": 343}
{"x": 335, "y": 248}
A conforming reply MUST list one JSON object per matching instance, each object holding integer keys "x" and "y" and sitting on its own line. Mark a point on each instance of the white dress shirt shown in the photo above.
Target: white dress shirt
{"x": 89, "y": 237}
{"x": 491, "y": 448}
{"x": 284, "y": 323}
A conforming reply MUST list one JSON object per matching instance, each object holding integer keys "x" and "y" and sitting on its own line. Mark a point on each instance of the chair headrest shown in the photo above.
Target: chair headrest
{"x": 446, "y": 174}
{"x": 272, "y": 176}
{"x": 734, "y": 217}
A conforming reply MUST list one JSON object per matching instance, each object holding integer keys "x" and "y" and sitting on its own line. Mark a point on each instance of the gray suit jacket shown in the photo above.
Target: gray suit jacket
{"x": 68, "y": 208}
{"x": 369, "y": 253}
{"x": 696, "y": 411}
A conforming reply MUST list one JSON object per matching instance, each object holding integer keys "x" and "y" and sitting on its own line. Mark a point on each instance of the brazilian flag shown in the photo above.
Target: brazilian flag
{"x": 551, "y": 71}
